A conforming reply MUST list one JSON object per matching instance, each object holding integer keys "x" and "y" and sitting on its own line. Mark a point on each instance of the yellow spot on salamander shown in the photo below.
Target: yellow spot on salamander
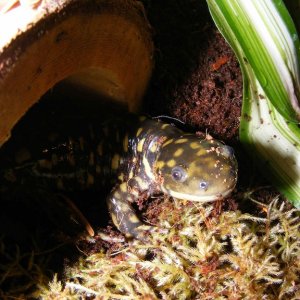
{"x": 181, "y": 141}
{"x": 90, "y": 180}
{"x": 140, "y": 145}
{"x": 194, "y": 145}
{"x": 100, "y": 149}
{"x": 130, "y": 174}
{"x": 125, "y": 143}
{"x": 164, "y": 126}
{"x": 117, "y": 195}
{"x": 98, "y": 169}
{"x": 178, "y": 152}
{"x": 167, "y": 142}
{"x": 121, "y": 177}
{"x": 142, "y": 118}
{"x": 133, "y": 218}
{"x": 123, "y": 187}
{"x": 147, "y": 168}
{"x": 171, "y": 163}
{"x": 91, "y": 159}
{"x": 114, "y": 218}
{"x": 201, "y": 152}
{"x": 115, "y": 162}
{"x": 160, "y": 164}
{"x": 139, "y": 131}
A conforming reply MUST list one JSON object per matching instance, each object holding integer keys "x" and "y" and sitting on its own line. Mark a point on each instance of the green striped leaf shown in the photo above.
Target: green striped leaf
{"x": 264, "y": 38}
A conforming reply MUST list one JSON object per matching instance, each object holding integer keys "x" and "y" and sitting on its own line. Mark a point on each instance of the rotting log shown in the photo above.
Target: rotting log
{"x": 102, "y": 45}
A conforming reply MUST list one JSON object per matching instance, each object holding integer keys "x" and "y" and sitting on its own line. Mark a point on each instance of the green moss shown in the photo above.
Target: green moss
{"x": 201, "y": 253}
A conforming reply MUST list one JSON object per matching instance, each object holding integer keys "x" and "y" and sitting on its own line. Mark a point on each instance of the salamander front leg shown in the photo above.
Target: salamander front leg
{"x": 123, "y": 215}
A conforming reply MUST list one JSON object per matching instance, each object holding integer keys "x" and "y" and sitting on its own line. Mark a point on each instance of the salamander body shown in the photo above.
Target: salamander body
{"x": 139, "y": 156}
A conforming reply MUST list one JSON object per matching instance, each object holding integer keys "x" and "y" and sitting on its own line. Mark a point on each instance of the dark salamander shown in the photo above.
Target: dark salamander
{"x": 139, "y": 156}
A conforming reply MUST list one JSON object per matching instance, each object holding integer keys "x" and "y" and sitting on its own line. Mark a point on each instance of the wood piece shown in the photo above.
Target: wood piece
{"x": 102, "y": 45}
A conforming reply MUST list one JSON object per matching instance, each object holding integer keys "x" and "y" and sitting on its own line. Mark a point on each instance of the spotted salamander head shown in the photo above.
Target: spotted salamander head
{"x": 196, "y": 169}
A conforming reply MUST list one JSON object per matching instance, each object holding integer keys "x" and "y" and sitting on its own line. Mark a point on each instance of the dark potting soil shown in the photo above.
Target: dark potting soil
{"x": 197, "y": 78}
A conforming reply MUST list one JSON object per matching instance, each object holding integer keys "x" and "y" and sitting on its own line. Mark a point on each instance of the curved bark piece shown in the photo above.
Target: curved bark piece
{"x": 102, "y": 45}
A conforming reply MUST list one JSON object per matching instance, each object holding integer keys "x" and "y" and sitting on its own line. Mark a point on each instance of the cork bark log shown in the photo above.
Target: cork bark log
{"x": 102, "y": 45}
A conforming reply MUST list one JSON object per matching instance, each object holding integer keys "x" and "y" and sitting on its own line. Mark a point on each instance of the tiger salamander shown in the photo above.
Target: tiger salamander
{"x": 142, "y": 156}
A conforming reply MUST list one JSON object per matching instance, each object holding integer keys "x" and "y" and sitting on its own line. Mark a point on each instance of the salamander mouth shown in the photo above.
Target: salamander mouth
{"x": 203, "y": 198}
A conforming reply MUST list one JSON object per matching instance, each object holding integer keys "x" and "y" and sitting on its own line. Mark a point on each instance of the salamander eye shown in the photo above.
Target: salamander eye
{"x": 178, "y": 174}
{"x": 203, "y": 185}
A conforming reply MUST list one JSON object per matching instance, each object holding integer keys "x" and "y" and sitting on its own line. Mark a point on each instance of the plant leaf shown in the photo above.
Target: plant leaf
{"x": 264, "y": 38}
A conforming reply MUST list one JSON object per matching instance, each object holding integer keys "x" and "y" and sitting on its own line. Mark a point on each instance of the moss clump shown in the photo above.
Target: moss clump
{"x": 203, "y": 253}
